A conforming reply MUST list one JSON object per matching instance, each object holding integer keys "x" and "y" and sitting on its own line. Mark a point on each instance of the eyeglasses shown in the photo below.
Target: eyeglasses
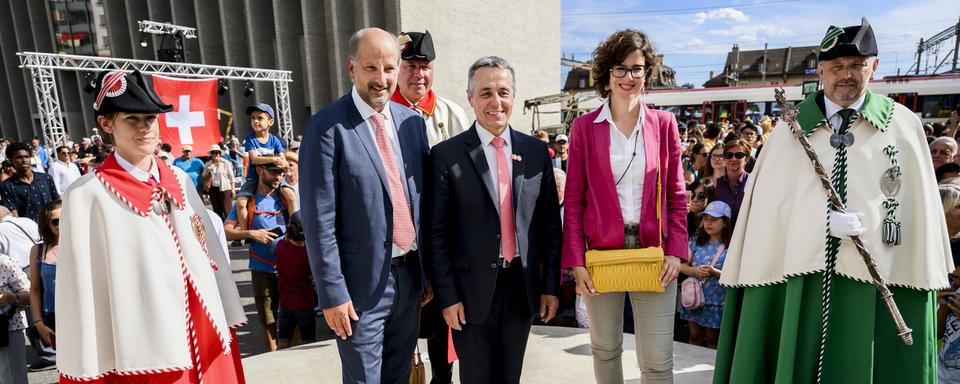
{"x": 738, "y": 155}
{"x": 55, "y": 222}
{"x": 716, "y": 156}
{"x": 699, "y": 196}
{"x": 621, "y": 71}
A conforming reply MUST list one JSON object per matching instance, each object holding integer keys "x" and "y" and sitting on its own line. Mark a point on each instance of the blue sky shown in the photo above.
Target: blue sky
{"x": 695, "y": 36}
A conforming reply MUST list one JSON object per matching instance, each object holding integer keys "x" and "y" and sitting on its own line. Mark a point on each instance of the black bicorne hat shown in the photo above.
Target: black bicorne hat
{"x": 416, "y": 46}
{"x": 117, "y": 91}
{"x": 857, "y": 40}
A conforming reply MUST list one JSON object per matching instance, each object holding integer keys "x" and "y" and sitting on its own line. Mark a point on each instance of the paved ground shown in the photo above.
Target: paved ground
{"x": 554, "y": 355}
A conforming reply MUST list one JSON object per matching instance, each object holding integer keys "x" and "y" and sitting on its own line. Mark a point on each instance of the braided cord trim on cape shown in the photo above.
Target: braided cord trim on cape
{"x": 839, "y": 181}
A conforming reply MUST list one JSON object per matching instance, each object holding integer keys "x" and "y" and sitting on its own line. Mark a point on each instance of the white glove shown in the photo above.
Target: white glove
{"x": 845, "y": 224}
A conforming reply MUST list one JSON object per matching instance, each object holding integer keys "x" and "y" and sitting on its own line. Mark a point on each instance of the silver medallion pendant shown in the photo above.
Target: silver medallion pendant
{"x": 161, "y": 206}
{"x": 890, "y": 182}
{"x": 846, "y": 139}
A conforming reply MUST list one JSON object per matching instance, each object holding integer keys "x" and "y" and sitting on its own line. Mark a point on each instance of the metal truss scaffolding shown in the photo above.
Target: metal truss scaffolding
{"x": 43, "y": 65}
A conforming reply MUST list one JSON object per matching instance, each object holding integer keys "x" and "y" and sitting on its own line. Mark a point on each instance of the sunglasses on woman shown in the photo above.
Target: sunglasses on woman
{"x": 55, "y": 222}
{"x": 730, "y": 155}
{"x": 699, "y": 196}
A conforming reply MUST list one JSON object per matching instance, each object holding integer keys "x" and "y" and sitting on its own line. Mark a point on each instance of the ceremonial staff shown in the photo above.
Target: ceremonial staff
{"x": 790, "y": 115}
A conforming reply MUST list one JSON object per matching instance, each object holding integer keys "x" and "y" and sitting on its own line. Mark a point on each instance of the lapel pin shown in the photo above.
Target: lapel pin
{"x": 516, "y": 157}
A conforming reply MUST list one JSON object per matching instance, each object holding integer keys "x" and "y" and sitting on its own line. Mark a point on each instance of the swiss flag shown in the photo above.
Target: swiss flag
{"x": 193, "y": 120}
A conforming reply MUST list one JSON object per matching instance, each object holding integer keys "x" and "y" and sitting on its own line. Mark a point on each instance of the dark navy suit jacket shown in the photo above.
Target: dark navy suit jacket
{"x": 345, "y": 197}
{"x": 464, "y": 223}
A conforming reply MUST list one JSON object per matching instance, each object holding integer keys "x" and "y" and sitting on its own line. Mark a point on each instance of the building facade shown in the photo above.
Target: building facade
{"x": 787, "y": 66}
{"x": 307, "y": 37}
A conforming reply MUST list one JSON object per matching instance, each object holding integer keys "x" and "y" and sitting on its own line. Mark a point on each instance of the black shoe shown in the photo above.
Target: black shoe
{"x": 42, "y": 365}
{"x": 236, "y": 243}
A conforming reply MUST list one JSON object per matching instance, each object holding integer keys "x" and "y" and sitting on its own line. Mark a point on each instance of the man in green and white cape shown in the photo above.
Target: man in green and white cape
{"x": 801, "y": 306}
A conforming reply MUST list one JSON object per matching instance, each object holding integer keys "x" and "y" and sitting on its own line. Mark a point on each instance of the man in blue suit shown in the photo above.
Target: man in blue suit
{"x": 361, "y": 179}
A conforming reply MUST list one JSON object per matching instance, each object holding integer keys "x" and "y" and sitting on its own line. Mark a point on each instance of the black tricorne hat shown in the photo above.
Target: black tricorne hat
{"x": 416, "y": 46}
{"x": 857, "y": 40}
{"x": 117, "y": 91}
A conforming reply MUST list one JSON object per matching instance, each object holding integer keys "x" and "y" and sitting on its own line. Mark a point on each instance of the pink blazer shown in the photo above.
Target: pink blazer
{"x": 590, "y": 203}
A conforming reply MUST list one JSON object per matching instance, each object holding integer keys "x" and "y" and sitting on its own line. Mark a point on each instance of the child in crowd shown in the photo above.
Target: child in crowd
{"x": 708, "y": 249}
{"x": 262, "y": 147}
{"x": 298, "y": 297}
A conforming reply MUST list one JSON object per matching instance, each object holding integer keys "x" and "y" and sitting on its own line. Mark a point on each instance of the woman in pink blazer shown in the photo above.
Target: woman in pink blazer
{"x": 610, "y": 203}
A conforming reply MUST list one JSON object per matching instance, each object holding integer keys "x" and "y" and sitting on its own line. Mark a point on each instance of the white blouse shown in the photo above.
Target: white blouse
{"x": 628, "y": 164}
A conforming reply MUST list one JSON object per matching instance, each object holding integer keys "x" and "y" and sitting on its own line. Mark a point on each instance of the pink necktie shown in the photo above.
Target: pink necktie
{"x": 403, "y": 232}
{"x": 508, "y": 237}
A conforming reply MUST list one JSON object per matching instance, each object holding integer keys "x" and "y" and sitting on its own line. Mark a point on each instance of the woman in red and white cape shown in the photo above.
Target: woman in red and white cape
{"x": 142, "y": 295}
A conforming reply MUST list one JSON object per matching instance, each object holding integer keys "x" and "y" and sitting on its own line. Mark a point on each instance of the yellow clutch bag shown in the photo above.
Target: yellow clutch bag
{"x": 628, "y": 270}
{"x": 625, "y": 270}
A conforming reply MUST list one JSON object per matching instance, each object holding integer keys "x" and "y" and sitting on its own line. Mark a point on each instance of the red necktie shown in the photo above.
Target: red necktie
{"x": 508, "y": 247}
{"x": 403, "y": 232}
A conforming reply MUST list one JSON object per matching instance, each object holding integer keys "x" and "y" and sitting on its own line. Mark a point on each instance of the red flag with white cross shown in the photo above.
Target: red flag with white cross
{"x": 194, "y": 119}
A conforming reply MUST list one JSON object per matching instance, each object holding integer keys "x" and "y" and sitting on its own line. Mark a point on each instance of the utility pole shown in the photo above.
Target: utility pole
{"x": 763, "y": 65}
{"x": 919, "y": 53}
{"x": 956, "y": 45}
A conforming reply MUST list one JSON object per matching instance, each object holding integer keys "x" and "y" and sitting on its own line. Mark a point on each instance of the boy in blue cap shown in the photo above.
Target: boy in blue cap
{"x": 262, "y": 148}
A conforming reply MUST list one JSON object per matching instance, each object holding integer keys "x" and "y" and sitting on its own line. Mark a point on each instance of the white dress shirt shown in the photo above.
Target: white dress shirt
{"x": 367, "y": 112}
{"x": 832, "y": 108}
{"x": 490, "y": 153}
{"x": 137, "y": 173}
{"x": 627, "y": 160}
{"x": 63, "y": 174}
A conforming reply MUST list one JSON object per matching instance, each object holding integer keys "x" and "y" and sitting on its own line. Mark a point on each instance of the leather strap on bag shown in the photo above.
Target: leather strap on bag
{"x": 717, "y": 255}
{"x": 659, "y": 206}
{"x": 35, "y": 241}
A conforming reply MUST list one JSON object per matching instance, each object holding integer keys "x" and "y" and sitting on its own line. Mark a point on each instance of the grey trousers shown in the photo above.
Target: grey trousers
{"x": 13, "y": 360}
{"x": 653, "y": 326}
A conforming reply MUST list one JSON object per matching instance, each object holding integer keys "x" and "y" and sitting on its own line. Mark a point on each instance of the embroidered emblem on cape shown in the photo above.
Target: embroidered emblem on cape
{"x": 201, "y": 235}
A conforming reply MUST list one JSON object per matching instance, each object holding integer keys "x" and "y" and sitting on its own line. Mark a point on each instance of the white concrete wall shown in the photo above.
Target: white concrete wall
{"x": 525, "y": 33}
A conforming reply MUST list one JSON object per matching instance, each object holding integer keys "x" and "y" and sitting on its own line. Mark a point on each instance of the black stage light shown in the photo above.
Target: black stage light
{"x": 89, "y": 83}
{"x": 247, "y": 88}
{"x": 222, "y": 87}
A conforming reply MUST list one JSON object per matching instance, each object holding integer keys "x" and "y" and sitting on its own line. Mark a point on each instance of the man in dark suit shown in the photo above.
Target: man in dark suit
{"x": 361, "y": 180}
{"x": 494, "y": 227}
